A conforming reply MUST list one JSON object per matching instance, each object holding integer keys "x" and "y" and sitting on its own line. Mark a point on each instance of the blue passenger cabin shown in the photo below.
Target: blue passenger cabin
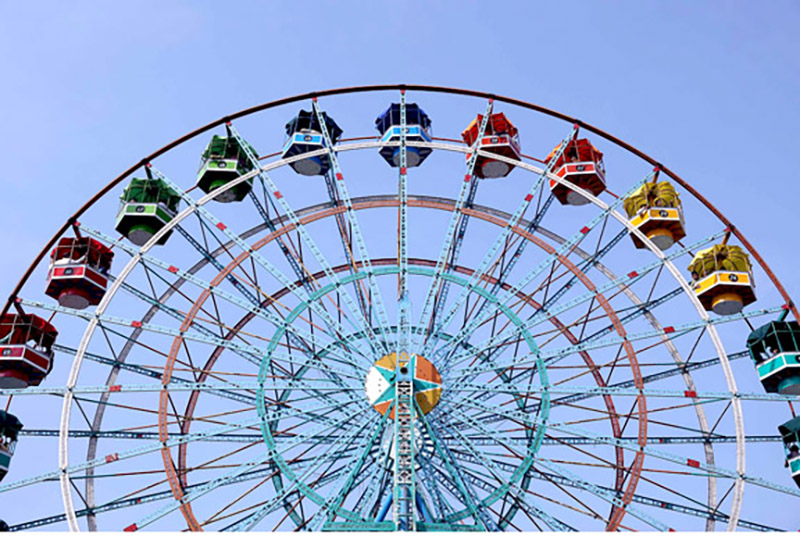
{"x": 304, "y": 135}
{"x": 9, "y": 431}
{"x": 147, "y": 205}
{"x": 790, "y": 434}
{"x": 224, "y": 161}
{"x": 418, "y": 126}
{"x": 775, "y": 349}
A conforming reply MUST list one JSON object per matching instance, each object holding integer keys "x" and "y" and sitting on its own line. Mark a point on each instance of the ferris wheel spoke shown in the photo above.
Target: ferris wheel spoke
{"x": 353, "y": 470}
{"x": 609, "y": 497}
{"x": 361, "y": 245}
{"x": 269, "y": 185}
{"x": 199, "y": 208}
{"x": 655, "y": 502}
{"x": 543, "y": 314}
{"x": 230, "y": 475}
{"x": 139, "y": 451}
{"x": 403, "y": 343}
{"x": 582, "y": 267}
{"x": 518, "y": 417}
{"x": 663, "y": 375}
{"x": 680, "y": 460}
{"x": 448, "y": 254}
{"x": 559, "y": 480}
{"x": 586, "y": 264}
{"x": 466, "y": 333}
{"x": 298, "y": 482}
{"x": 553, "y": 356}
{"x": 250, "y": 352}
{"x": 185, "y": 386}
{"x": 502, "y": 239}
{"x": 430, "y": 485}
{"x": 594, "y": 390}
{"x": 623, "y": 316}
{"x": 466, "y": 493}
{"x": 256, "y": 307}
{"x": 519, "y": 501}
{"x": 602, "y": 340}
{"x": 211, "y": 257}
{"x": 552, "y": 522}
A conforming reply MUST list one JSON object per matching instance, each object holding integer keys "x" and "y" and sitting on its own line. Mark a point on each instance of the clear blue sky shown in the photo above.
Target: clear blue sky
{"x": 711, "y": 89}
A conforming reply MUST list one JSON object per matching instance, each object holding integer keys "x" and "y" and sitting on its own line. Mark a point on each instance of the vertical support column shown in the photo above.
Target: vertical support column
{"x": 404, "y": 482}
{"x": 404, "y": 495}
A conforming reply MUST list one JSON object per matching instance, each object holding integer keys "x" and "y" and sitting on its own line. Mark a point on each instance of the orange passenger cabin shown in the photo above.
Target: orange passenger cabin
{"x": 26, "y": 350}
{"x": 500, "y": 137}
{"x": 78, "y": 272}
{"x": 580, "y": 164}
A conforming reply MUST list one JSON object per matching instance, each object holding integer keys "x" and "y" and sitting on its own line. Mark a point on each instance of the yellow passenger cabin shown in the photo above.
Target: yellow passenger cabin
{"x": 655, "y": 209}
{"x": 723, "y": 279}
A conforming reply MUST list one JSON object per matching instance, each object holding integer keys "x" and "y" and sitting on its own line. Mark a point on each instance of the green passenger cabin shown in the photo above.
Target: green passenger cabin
{"x": 223, "y": 161}
{"x": 147, "y": 205}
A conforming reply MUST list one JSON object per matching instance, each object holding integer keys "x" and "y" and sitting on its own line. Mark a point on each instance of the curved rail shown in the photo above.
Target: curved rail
{"x": 412, "y": 87}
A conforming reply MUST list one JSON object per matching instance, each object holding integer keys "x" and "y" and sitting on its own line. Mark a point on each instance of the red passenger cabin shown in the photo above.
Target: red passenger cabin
{"x": 78, "y": 272}
{"x": 582, "y": 165}
{"x": 501, "y": 137}
{"x": 26, "y": 350}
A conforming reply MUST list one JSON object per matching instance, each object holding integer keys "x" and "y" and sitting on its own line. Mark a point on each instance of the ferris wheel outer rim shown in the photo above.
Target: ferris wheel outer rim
{"x": 408, "y": 87}
{"x": 316, "y": 208}
{"x": 624, "y": 221}
{"x": 103, "y": 192}
{"x": 639, "y": 458}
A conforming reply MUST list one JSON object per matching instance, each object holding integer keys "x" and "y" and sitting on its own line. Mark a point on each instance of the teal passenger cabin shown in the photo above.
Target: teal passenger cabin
{"x": 9, "y": 430}
{"x": 790, "y": 433}
{"x": 775, "y": 349}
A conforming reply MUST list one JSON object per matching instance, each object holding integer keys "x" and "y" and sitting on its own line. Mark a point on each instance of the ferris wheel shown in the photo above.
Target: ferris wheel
{"x": 344, "y": 320}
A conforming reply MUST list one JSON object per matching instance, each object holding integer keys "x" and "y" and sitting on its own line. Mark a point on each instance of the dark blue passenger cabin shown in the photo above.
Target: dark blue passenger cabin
{"x": 775, "y": 349}
{"x": 304, "y": 135}
{"x": 418, "y": 126}
{"x": 9, "y": 431}
{"x": 790, "y": 434}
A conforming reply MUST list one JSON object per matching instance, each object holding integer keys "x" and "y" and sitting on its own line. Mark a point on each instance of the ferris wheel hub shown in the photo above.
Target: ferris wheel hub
{"x": 380, "y": 381}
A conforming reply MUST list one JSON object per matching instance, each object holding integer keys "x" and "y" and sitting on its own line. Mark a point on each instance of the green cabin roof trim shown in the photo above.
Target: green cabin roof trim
{"x": 221, "y": 147}
{"x": 151, "y": 191}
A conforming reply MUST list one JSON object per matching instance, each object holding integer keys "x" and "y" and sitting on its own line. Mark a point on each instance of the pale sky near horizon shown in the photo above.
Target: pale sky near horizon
{"x": 711, "y": 89}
